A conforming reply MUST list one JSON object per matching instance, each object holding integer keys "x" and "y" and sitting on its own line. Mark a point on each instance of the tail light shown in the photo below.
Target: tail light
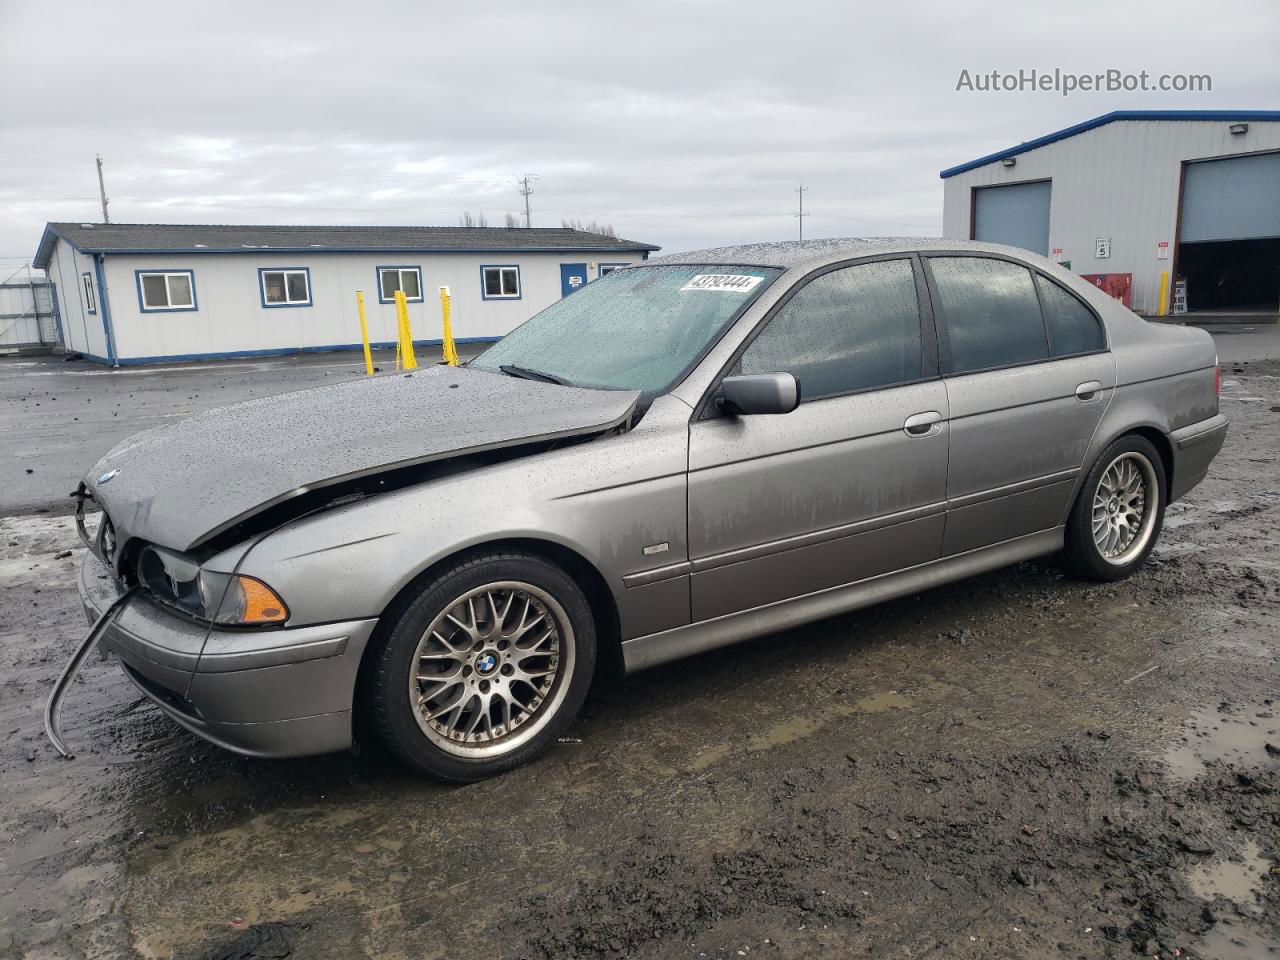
{"x": 1217, "y": 380}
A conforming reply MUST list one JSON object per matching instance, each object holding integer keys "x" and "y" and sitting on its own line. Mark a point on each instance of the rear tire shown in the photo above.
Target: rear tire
{"x": 1117, "y": 516}
{"x": 483, "y": 667}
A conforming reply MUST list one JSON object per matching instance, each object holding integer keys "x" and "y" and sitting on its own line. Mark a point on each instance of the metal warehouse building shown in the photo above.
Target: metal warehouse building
{"x": 1167, "y": 210}
{"x": 132, "y": 293}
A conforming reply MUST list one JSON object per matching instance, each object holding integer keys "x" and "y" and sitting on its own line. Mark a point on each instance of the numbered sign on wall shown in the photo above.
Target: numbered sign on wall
{"x": 1102, "y": 248}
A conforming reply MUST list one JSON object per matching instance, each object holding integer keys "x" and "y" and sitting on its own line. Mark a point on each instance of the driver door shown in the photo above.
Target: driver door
{"x": 852, "y": 483}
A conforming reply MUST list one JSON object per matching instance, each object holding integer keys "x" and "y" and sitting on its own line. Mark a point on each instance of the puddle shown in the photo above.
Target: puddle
{"x": 1238, "y": 879}
{"x": 1238, "y": 738}
{"x": 1232, "y": 941}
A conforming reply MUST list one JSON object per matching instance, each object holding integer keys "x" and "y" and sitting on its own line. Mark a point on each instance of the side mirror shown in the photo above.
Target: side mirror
{"x": 756, "y": 393}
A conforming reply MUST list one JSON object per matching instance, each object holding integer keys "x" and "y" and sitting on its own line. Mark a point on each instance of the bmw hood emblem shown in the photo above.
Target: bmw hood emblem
{"x": 108, "y": 476}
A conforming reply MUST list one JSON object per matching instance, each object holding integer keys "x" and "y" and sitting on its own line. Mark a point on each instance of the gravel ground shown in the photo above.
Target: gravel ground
{"x": 1017, "y": 766}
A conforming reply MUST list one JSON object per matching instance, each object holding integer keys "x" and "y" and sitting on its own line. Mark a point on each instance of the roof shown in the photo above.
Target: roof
{"x": 1228, "y": 116}
{"x": 225, "y": 238}
{"x": 792, "y": 253}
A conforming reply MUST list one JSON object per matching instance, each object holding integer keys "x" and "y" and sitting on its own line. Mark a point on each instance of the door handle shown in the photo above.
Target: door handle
{"x": 923, "y": 424}
{"x": 1088, "y": 391}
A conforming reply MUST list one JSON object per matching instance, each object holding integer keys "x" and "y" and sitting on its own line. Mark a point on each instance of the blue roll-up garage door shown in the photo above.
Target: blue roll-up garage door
{"x": 1016, "y": 214}
{"x": 1237, "y": 198}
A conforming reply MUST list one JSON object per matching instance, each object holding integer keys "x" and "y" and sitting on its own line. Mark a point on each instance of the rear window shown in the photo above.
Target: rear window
{"x": 1072, "y": 326}
{"x": 990, "y": 312}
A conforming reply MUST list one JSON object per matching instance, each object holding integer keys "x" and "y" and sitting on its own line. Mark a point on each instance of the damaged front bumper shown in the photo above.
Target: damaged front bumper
{"x": 262, "y": 693}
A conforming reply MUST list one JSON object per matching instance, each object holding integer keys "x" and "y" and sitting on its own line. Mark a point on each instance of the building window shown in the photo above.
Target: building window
{"x": 90, "y": 302}
{"x": 285, "y": 287}
{"x": 609, "y": 268}
{"x": 166, "y": 290}
{"x": 500, "y": 283}
{"x": 407, "y": 279}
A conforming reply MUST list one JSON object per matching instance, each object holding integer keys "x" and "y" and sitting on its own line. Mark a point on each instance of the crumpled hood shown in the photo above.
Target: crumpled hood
{"x": 180, "y": 484}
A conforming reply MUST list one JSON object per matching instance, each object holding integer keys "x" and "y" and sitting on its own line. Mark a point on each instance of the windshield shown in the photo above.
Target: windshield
{"x": 638, "y": 328}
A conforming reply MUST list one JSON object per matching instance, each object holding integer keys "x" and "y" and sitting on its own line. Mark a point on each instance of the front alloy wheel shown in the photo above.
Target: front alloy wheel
{"x": 490, "y": 669}
{"x": 481, "y": 667}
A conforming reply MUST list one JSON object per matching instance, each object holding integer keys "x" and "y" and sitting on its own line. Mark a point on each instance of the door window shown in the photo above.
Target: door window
{"x": 847, "y": 330}
{"x": 990, "y": 312}
{"x": 1072, "y": 326}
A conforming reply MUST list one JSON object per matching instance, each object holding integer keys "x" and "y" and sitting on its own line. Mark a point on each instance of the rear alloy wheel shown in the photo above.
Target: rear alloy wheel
{"x": 485, "y": 667}
{"x": 1118, "y": 513}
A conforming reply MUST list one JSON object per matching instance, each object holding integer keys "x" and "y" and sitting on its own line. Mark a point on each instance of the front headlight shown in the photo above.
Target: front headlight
{"x": 231, "y": 599}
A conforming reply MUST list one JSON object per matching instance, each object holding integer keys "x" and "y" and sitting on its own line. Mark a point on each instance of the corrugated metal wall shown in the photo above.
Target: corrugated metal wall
{"x": 1118, "y": 181}
{"x": 27, "y": 310}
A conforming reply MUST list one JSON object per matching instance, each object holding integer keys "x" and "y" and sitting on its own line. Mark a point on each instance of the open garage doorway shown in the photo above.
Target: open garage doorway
{"x": 1232, "y": 276}
{"x": 1229, "y": 242}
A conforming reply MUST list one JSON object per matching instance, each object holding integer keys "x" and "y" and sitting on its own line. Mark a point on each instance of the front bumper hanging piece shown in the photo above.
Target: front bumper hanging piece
{"x": 53, "y": 708}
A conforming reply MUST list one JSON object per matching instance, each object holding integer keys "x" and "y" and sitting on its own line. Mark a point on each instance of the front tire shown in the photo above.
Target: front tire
{"x": 1118, "y": 514}
{"x": 483, "y": 667}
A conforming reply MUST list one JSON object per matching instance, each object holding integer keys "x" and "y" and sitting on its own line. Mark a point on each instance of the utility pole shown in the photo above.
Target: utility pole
{"x": 525, "y": 191}
{"x": 801, "y": 215}
{"x": 102, "y": 192}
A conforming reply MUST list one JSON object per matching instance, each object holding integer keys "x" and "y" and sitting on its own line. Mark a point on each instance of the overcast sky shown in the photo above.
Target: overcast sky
{"x": 684, "y": 124}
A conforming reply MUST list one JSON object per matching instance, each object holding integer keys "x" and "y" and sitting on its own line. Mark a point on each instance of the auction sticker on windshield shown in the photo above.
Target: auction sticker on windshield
{"x": 722, "y": 281}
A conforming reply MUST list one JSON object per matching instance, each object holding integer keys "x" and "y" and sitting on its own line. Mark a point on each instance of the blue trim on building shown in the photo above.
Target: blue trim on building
{"x": 275, "y": 352}
{"x": 484, "y": 295}
{"x": 377, "y": 272}
{"x": 1232, "y": 116}
{"x": 143, "y": 308}
{"x": 262, "y": 287}
{"x": 105, "y": 303}
{"x": 93, "y": 293}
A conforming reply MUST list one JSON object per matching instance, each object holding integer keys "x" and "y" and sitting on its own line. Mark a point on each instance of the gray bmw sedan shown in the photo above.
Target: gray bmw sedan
{"x": 682, "y": 454}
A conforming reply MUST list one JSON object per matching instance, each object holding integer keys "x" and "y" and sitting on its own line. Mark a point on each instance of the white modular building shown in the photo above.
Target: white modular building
{"x": 1168, "y": 210}
{"x": 133, "y": 293}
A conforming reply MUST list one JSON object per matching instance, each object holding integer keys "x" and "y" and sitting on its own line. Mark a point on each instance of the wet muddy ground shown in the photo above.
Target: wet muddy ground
{"x": 1017, "y": 766}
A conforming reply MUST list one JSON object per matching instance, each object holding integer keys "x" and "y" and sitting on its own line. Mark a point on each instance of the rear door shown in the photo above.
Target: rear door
{"x": 1028, "y": 377}
{"x": 849, "y": 485}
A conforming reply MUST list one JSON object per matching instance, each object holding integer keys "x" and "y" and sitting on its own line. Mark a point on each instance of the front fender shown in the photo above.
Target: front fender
{"x": 605, "y": 500}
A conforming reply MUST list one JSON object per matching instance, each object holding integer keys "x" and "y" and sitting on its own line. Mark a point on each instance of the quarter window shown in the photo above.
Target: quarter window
{"x": 990, "y": 312}
{"x": 167, "y": 290}
{"x": 1072, "y": 326}
{"x": 850, "y": 329}
{"x": 501, "y": 283}
{"x": 285, "y": 288}
{"x": 391, "y": 279}
{"x": 90, "y": 300}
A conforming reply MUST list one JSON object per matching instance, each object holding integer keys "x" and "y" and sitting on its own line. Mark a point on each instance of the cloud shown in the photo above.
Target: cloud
{"x": 681, "y": 123}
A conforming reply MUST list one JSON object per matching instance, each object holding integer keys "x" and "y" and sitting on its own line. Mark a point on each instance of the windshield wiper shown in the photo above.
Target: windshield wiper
{"x": 524, "y": 373}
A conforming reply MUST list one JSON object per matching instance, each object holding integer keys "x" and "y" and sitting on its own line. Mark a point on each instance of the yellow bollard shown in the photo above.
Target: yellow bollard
{"x": 364, "y": 334}
{"x": 1164, "y": 293}
{"x": 407, "y": 359}
{"x": 450, "y": 349}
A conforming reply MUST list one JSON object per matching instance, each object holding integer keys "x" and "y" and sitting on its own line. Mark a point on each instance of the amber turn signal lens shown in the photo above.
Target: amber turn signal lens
{"x": 261, "y": 605}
